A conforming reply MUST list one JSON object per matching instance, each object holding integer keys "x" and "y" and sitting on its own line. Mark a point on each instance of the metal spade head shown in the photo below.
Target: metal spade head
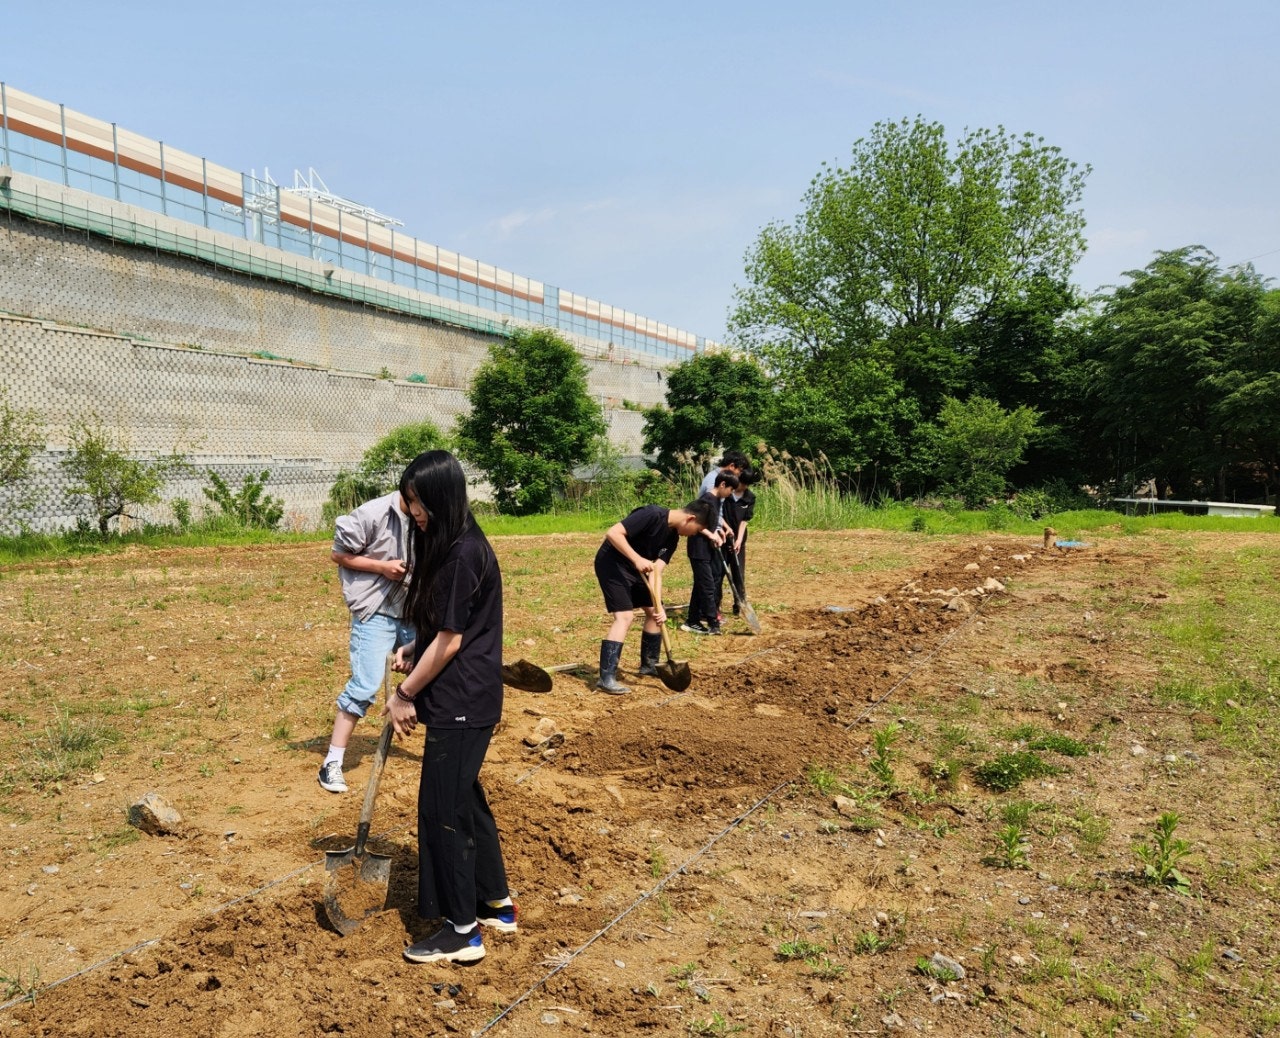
{"x": 676, "y": 676}
{"x": 355, "y": 887}
{"x": 526, "y": 676}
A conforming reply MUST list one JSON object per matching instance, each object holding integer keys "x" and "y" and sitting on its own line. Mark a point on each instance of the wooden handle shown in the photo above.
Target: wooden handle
{"x": 651, "y": 582}
{"x": 375, "y": 772}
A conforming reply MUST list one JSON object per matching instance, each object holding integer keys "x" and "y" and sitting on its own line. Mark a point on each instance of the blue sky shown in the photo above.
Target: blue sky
{"x": 632, "y": 152}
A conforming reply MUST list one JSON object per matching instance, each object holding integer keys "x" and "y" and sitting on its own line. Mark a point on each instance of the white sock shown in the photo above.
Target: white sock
{"x": 336, "y": 753}
{"x": 463, "y": 929}
{"x": 506, "y": 902}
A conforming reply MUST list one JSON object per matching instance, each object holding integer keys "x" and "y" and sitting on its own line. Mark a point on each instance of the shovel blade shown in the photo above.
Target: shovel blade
{"x": 676, "y": 676}
{"x": 526, "y": 676}
{"x": 749, "y": 614}
{"x": 355, "y": 888}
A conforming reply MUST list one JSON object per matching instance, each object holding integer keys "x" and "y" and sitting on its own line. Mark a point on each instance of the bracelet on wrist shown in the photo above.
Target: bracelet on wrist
{"x": 401, "y": 694}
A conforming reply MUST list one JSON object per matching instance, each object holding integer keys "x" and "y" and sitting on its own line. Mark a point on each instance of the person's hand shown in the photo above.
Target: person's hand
{"x": 393, "y": 569}
{"x": 644, "y": 567}
{"x": 660, "y": 615}
{"x": 400, "y": 662}
{"x": 402, "y": 714}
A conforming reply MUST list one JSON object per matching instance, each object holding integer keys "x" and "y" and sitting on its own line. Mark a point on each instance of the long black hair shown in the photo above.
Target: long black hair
{"x": 435, "y": 479}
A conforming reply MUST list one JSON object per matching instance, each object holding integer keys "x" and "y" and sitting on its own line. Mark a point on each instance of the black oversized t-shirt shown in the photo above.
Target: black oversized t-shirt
{"x": 649, "y": 536}
{"x": 467, "y": 599}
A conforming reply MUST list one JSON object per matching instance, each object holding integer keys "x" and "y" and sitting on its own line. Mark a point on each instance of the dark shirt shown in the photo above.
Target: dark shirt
{"x": 468, "y": 600}
{"x": 649, "y": 536}
{"x": 739, "y": 510}
{"x": 700, "y": 546}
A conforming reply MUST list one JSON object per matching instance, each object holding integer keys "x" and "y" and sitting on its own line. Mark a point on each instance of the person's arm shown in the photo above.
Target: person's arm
{"x": 435, "y": 657}
{"x": 617, "y": 536}
{"x": 392, "y": 569}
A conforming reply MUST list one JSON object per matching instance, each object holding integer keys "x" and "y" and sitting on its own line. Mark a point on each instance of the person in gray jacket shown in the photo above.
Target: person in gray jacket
{"x": 371, "y": 546}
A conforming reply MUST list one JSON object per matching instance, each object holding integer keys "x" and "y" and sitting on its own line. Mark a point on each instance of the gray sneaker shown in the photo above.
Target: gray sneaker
{"x": 330, "y": 777}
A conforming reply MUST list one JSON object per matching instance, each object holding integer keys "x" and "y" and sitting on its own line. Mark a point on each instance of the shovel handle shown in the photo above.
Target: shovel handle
{"x": 651, "y": 582}
{"x": 375, "y": 772}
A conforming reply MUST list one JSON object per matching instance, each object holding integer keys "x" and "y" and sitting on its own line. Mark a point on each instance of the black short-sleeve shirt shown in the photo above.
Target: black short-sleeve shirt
{"x": 468, "y": 599}
{"x": 649, "y": 536}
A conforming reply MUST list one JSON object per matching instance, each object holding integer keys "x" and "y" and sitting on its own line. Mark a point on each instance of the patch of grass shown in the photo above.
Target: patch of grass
{"x": 825, "y": 969}
{"x": 928, "y": 968}
{"x": 716, "y": 1024}
{"x": 22, "y": 984}
{"x": 826, "y": 781}
{"x": 1009, "y": 770}
{"x": 68, "y": 747}
{"x": 1055, "y": 742}
{"x": 658, "y": 864}
{"x": 870, "y": 942}
{"x": 105, "y": 843}
{"x": 789, "y": 951}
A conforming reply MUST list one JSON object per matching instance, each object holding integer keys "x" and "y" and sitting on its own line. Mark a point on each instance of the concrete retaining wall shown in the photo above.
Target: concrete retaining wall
{"x": 160, "y": 347}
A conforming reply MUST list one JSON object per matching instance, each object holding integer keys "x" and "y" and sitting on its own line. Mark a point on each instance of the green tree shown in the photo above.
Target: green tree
{"x": 1248, "y": 408}
{"x": 978, "y": 442}
{"x": 531, "y": 420}
{"x": 102, "y": 472}
{"x": 714, "y": 401}
{"x": 21, "y": 435}
{"x": 1170, "y": 347}
{"x": 381, "y": 466}
{"x": 251, "y": 505}
{"x": 896, "y": 254}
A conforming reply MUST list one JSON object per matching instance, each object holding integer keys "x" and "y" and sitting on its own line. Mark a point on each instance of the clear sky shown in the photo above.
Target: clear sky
{"x": 632, "y": 152}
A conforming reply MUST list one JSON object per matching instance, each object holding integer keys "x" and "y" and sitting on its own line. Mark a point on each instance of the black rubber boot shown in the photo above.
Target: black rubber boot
{"x": 650, "y": 652}
{"x": 610, "y": 653}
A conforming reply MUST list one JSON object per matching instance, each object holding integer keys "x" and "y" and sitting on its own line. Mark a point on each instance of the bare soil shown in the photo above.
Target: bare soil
{"x": 671, "y": 850}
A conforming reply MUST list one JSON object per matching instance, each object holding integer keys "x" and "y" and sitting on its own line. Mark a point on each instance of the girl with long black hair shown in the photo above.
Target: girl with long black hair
{"x": 454, "y": 686}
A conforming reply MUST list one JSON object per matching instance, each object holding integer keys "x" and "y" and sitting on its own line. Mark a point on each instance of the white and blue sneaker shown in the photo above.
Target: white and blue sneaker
{"x": 502, "y": 919}
{"x": 447, "y": 945}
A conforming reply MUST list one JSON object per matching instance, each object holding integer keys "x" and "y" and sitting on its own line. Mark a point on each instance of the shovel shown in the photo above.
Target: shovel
{"x": 526, "y": 676}
{"x": 734, "y": 572}
{"x": 676, "y": 676}
{"x": 356, "y": 883}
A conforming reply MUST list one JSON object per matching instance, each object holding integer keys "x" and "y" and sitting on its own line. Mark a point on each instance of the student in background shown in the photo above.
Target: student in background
{"x": 371, "y": 547}
{"x": 704, "y": 559}
{"x": 738, "y": 511}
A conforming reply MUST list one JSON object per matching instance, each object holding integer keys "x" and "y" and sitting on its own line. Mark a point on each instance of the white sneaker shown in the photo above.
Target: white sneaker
{"x": 331, "y": 777}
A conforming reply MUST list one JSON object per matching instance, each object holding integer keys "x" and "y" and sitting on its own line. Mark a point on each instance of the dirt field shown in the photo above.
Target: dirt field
{"x": 681, "y": 862}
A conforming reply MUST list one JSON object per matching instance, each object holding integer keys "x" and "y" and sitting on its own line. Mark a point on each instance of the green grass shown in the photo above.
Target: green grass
{"x": 68, "y": 747}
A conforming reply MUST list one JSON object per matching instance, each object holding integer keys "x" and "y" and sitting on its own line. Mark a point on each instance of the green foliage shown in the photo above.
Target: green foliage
{"x": 881, "y": 765}
{"x": 1010, "y": 770}
{"x": 1160, "y": 857}
{"x": 68, "y": 747}
{"x": 902, "y": 269}
{"x": 101, "y": 472}
{"x": 1011, "y": 849}
{"x": 248, "y": 506}
{"x": 21, "y": 435}
{"x": 1185, "y": 360}
{"x": 713, "y": 402}
{"x": 532, "y": 420}
{"x": 381, "y": 467}
{"x": 789, "y": 951}
{"x": 978, "y": 443}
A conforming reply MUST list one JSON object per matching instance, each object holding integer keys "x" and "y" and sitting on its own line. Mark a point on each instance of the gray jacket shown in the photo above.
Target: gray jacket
{"x": 376, "y": 529}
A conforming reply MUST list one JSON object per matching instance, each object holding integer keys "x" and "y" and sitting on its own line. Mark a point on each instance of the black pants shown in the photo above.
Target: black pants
{"x": 702, "y": 601}
{"x": 459, "y": 857}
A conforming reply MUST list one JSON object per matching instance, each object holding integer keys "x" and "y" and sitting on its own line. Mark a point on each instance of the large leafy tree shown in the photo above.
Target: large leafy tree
{"x": 896, "y": 254}
{"x": 532, "y": 419}
{"x": 1249, "y": 407}
{"x": 1171, "y": 348}
{"x": 714, "y": 401}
